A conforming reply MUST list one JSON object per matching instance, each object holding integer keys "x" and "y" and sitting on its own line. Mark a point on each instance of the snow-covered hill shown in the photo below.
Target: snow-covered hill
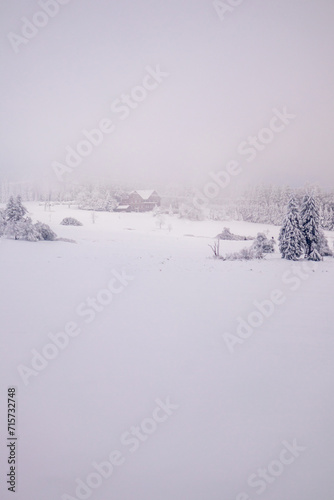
{"x": 160, "y": 311}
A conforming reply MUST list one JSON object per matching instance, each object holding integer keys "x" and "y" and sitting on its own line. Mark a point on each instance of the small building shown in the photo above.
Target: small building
{"x": 140, "y": 201}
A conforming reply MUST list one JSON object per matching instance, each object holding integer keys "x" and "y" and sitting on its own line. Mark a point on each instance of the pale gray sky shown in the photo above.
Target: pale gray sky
{"x": 225, "y": 78}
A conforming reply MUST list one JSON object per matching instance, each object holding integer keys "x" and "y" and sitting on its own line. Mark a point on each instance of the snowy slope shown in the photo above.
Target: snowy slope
{"x": 160, "y": 337}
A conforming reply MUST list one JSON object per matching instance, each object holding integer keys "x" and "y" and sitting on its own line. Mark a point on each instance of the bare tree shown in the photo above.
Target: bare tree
{"x": 215, "y": 249}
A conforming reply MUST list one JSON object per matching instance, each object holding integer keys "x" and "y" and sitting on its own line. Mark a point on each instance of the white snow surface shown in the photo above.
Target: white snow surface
{"x": 162, "y": 336}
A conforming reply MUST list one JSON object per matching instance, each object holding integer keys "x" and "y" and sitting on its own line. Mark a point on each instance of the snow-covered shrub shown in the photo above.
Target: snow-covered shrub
{"x": 218, "y": 214}
{"x": 227, "y": 235}
{"x": 2, "y": 222}
{"x": 327, "y": 216}
{"x": 45, "y": 232}
{"x": 14, "y": 224}
{"x": 27, "y": 230}
{"x": 254, "y": 252}
{"x": 160, "y": 221}
{"x": 10, "y": 230}
{"x": 70, "y": 221}
{"x": 101, "y": 202}
{"x": 261, "y": 244}
{"x": 22, "y": 229}
{"x": 190, "y": 212}
{"x": 244, "y": 254}
{"x": 323, "y": 247}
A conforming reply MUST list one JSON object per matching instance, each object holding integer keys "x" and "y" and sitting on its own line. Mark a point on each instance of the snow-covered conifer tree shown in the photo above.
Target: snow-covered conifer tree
{"x": 10, "y": 211}
{"x": 15, "y": 211}
{"x": 310, "y": 219}
{"x": 291, "y": 239}
{"x": 25, "y": 230}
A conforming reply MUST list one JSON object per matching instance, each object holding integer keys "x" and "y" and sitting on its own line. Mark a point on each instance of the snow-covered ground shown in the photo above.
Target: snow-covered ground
{"x": 236, "y": 400}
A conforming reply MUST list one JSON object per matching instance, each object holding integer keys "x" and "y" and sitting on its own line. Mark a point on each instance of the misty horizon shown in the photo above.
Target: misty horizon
{"x": 217, "y": 80}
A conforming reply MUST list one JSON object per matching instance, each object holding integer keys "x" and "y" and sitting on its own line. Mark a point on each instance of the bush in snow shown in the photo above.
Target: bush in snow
{"x": 97, "y": 200}
{"x": 327, "y": 217}
{"x": 245, "y": 254}
{"x": 227, "y": 235}
{"x": 27, "y": 230}
{"x": 160, "y": 220}
{"x": 45, "y": 232}
{"x": 2, "y": 222}
{"x": 14, "y": 224}
{"x": 187, "y": 211}
{"x": 22, "y": 229}
{"x": 262, "y": 245}
{"x": 70, "y": 221}
{"x": 323, "y": 247}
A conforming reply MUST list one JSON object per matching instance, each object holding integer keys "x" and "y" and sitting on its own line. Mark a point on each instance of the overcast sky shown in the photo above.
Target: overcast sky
{"x": 226, "y": 74}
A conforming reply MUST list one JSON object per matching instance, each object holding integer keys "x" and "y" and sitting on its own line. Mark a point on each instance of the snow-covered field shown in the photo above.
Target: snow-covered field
{"x": 160, "y": 332}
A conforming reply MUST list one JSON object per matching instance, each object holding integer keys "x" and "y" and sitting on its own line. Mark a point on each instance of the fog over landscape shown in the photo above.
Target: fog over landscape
{"x": 224, "y": 78}
{"x": 166, "y": 250}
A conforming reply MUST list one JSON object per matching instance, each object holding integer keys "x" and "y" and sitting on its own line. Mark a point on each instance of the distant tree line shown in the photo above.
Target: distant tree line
{"x": 268, "y": 204}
